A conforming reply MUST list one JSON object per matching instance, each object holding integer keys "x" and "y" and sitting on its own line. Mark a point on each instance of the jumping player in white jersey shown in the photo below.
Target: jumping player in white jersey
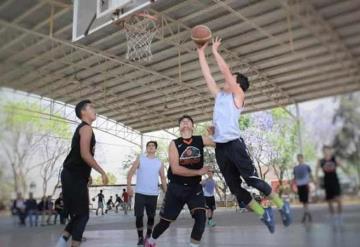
{"x": 231, "y": 152}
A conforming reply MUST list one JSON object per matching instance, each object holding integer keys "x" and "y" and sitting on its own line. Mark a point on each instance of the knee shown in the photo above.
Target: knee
{"x": 151, "y": 221}
{"x": 161, "y": 227}
{"x": 199, "y": 226}
{"x": 139, "y": 221}
{"x": 84, "y": 218}
{"x": 259, "y": 184}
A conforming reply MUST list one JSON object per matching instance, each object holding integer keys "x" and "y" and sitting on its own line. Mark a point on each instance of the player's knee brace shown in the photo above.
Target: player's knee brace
{"x": 199, "y": 216}
{"x": 259, "y": 184}
{"x": 139, "y": 222}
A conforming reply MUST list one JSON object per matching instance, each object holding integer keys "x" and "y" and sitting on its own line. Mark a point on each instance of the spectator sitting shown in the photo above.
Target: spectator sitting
{"x": 19, "y": 208}
{"x": 59, "y": 209}
{"x": 32, "y": 210}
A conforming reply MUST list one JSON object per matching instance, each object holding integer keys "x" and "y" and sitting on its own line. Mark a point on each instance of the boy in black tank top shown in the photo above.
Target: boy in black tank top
{"x": 329, "y": 165}
{"x": 76, "y": 174}
{"x": 186, "y": 159}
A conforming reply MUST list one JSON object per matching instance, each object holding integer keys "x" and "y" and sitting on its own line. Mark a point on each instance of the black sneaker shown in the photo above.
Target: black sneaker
{"x": 140, "y": 242}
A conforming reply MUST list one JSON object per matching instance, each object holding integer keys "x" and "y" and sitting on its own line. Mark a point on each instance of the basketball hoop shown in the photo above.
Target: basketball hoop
{"x": 140, "y": 30}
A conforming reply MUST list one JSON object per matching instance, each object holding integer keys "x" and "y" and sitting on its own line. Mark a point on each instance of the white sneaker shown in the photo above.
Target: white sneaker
{"x": 61, "y": 242}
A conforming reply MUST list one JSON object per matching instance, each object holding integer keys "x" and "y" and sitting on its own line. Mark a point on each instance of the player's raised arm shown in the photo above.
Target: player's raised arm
{"x": 210, "y": 82}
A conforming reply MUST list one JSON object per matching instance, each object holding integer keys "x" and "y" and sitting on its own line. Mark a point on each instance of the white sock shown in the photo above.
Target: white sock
{"x": 194, "y": 245}
{"x": 151, "y": 240}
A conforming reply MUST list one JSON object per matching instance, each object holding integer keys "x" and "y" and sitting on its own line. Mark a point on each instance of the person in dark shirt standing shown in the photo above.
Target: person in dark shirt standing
{"x": 329, "y": 165}
{"x": 76, "y": 173}
{"x": 101, "y": 199}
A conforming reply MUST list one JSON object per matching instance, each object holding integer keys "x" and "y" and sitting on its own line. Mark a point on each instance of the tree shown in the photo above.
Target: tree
{"x": 284, "y": 144}
{"x": 53, "y": 150}
{"x": 25, "y": 132}
{"x": 347, "y": 138}
{"x": 256, "y": 130}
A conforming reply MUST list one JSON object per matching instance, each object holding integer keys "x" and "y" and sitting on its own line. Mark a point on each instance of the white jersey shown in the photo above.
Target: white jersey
{"x": 147, "y": 176}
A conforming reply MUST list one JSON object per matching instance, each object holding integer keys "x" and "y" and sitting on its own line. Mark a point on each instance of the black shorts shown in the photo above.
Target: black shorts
{"x": 75, "y": 193}
{"x": 303, "y": 192}
{"x": 235, "y": 163}
{"x": 332, "y": 189}
{"x": 145, "y": 202}
{"x": 210, "y": 202}
{"x": 177, "y": 195}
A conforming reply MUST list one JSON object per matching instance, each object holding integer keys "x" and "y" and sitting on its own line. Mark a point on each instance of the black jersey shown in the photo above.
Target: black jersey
{"x": 74, "y": 162}
{"x": 329, "y": 168}
{"x": 191, "y": 156}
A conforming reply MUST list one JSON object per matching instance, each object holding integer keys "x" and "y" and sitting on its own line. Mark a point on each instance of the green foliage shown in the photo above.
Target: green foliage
{"x": 347, "y": 139}
{"x": 30, "y": 117}
{"x": 111, "y": 176}
{"x": 244, "y": 122}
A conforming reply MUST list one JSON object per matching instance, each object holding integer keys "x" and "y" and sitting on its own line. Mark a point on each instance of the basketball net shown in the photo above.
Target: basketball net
{"x": 140, "y": 30}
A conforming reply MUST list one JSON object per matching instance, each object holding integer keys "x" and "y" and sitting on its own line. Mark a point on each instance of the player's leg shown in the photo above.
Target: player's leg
{"x": 196, "y": 205}
{"x": 150, "y": 206}
{"x": 170, "y": 210}
{"x": 139, "y": 214}
{"x": 241, "y": 158}
{"x": 232, "y": 178}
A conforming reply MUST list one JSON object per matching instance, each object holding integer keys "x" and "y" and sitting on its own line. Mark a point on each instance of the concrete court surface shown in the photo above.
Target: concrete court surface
{"x": 233, "y": 229}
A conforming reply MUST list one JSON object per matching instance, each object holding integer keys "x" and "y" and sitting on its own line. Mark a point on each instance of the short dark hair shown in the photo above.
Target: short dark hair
{"x": 153, "y": 142}
{"x": 300, "y": 156}
{"x": 186, "y": 117}
{"x": 101, "y": 191}
{"x": 243, "y": 81}
{"x": 80, "y": 106}
{"x": 327, "y": 147}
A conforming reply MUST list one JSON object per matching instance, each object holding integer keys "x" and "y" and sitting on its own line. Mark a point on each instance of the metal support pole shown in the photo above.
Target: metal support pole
{"x": 142, "y": 142}
{"x": 299, "y": 128}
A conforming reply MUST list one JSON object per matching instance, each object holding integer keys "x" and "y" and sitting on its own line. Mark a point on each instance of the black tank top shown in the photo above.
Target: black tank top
{"x": 329, "y": 168}
{"x": 191, "y": 156}
{"x": 74, "y": 162}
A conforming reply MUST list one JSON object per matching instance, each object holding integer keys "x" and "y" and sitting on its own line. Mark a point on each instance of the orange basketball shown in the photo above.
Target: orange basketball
{"x": 201, "y": 34}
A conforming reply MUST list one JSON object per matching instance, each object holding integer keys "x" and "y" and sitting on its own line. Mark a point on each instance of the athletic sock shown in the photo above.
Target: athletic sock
{"x": 194, "y": 245}
{"x": 148, "y": 232}
{"x": 279, "y": 203}
{"x": 151, "y": 240}
{"x": 257, "y": 208}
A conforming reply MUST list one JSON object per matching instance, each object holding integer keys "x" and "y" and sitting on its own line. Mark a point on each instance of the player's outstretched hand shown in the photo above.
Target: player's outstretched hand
{"x": 216, "y": 43}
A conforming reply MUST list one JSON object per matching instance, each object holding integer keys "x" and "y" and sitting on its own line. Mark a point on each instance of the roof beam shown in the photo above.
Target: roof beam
{"x": 305, "y": 12}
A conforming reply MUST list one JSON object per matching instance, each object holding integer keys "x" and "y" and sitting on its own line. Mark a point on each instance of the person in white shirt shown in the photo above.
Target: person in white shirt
{"x": 148, "y": 169}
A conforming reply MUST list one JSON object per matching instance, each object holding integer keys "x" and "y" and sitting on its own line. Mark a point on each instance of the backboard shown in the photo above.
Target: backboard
{"x": 92, "y": 15}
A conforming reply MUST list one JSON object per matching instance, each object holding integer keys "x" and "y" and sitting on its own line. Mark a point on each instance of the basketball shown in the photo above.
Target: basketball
{"x": 201, "y": 34}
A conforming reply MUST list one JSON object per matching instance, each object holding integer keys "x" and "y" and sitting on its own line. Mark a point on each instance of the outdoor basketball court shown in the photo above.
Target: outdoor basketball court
{"x": 137, "y": 60}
